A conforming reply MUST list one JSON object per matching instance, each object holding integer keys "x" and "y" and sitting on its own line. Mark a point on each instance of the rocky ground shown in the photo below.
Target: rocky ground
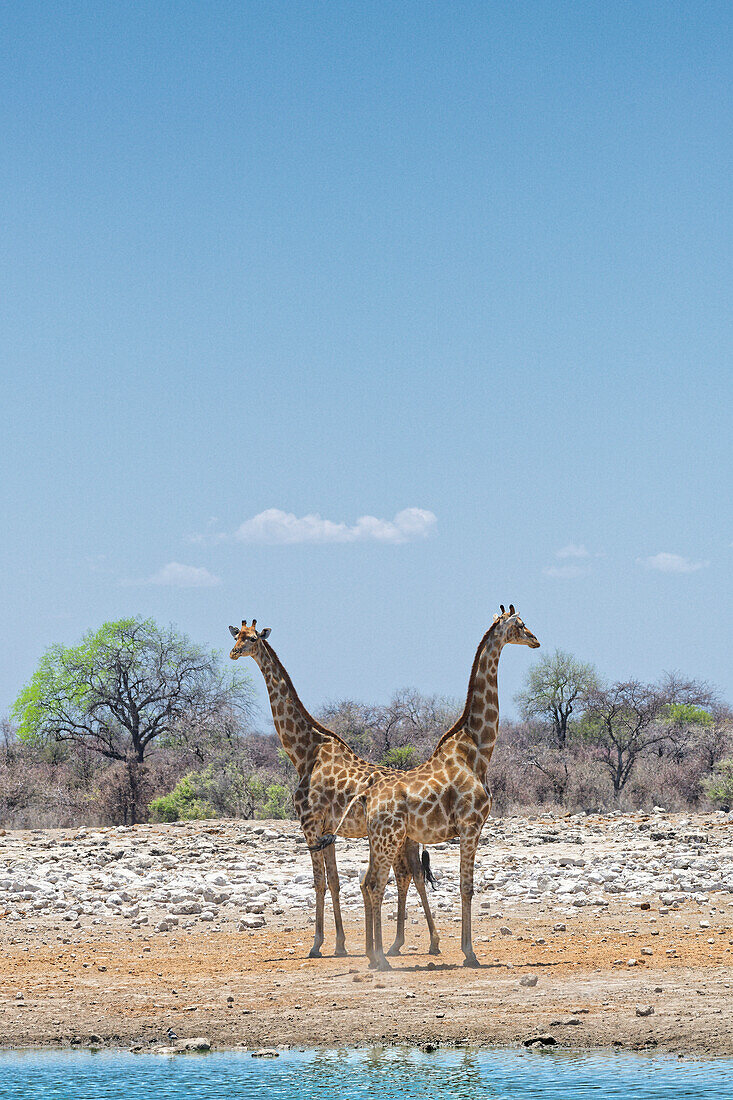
{"x": 593, "y": 930}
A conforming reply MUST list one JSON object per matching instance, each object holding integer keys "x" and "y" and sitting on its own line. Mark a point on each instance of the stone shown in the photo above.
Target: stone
{"x": 248, "y": 923}
{"x": 644, "y": 1010}
{"x": 187, "y": 908}
{"x": 199, "y": 1044}
{"x": 528, "y": 980}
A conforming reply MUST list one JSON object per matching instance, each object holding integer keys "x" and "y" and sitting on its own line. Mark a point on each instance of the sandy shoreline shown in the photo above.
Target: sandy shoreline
{"x": 119, "y": 983}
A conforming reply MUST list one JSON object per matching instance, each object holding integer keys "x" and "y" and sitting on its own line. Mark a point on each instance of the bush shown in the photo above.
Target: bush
{"x": 278, "y": 803}
{"x": 182, "y": 804}
{"x": 720, "y": 787}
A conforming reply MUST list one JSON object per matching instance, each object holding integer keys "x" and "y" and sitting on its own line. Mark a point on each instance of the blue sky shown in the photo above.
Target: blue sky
{"x": 461, "y": 268}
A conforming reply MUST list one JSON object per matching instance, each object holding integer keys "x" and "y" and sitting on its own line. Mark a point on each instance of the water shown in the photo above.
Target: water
{"x": 386, "y": 1074}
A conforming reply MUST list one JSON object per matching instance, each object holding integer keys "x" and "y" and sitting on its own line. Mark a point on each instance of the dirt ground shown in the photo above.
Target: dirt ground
{"x": 122, "y": 987}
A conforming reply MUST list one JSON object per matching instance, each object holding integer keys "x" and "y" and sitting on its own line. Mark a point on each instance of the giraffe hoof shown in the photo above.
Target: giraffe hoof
{"x": 340, "y": 953}
{"x": 383, "y": 965}
{"x": 314, "y": 953}
{"x": 393, "y": 951}
{"x": 471, "y": 961}
{"x": 434, "y": 950}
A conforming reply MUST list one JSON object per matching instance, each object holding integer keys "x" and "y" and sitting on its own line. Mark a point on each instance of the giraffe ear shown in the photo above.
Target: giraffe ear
{"x": 264, "y": 633}
{"x": 233, "y": 631}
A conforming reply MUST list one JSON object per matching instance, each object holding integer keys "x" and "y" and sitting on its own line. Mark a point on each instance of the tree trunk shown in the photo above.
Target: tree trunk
{"x": 618, "y": 775}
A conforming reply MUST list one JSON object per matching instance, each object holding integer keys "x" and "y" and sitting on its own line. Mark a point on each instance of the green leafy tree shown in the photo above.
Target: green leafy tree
{"x": 402, "y": 758}
{"x": 686, "y": 714}
{"x": 556, "y": 686}
{"x": 124, "y": 686}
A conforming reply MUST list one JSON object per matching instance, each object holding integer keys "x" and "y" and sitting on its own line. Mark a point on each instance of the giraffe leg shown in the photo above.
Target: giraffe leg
{"x": 383, "y": 867}
{"x": 434, "y": 937}
{"x": 403, "y": 877}
{"x": 469, "y": 843}
{"x": 334, "y": 887}
{"x": 408, "y": 866}
{"x": 368, "y": 917}
{"x": 319, "y": 881}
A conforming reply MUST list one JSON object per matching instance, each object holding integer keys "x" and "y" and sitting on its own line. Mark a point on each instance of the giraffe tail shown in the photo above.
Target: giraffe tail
{"x": 323, "y": 842}
{"x": 427, "y": 870}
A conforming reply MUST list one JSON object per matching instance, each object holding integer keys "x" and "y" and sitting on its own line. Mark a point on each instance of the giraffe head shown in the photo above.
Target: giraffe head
{"x": 513, "y": 630}
{"x": 247, "y": 639}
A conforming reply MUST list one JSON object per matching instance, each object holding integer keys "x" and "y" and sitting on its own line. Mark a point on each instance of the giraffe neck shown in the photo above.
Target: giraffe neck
{"x": 294, "y": 725}
{"x": 482, "y": 711}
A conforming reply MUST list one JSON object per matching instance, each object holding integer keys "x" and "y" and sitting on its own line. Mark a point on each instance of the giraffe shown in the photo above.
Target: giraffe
{"x": 445, "y": 797}
{"x": 329, "y": 773}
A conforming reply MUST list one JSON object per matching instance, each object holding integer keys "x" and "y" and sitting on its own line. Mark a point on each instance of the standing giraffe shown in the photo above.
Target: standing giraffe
{"x": 445, "y": 797}
{"x": 329, "y": 774}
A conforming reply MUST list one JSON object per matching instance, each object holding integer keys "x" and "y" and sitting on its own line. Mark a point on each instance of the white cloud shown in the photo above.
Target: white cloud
{"x": 672, "y": 563}
{"x": 574, "y": 561}
{"x": 183, "y": 576}
{"x": 567, "y": 571}
{"x": 572, "y": 551}
{"x": 275, "y": 526}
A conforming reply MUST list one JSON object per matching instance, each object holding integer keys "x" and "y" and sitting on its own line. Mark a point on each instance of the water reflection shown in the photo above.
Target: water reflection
{"x": 399, "y": 1072}
{"x": 384, "y": 1074}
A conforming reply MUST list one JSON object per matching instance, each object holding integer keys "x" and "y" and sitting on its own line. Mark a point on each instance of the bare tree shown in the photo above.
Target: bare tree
{"x": 357, "y": 723}
{"x": 623, "y": 721}
{"x": 410, "y": 719}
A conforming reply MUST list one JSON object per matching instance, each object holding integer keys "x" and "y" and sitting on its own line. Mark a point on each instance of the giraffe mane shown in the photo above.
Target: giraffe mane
{"x": 471, "y": 685}
{"x": 306, "y": 713}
